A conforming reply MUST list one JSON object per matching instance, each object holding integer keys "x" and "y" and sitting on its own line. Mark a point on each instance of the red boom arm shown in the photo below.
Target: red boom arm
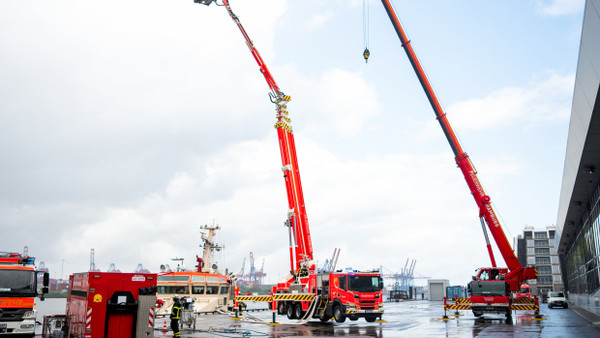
{"x": 301, "y": 251}
{"x": 462, "y": 160}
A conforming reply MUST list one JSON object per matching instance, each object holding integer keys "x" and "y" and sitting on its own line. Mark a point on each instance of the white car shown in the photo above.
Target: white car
{"x": 557, "y": 299}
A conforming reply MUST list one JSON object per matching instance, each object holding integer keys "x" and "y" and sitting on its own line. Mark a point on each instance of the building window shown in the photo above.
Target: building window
{"x": 544, "y": 270}
{"x": 544, "y": 279}
{"x": 541, "y": 235}
{"x": 542, "y": 260}
{"x": 541, "y": 242}
{"x": 542, "y": 251}
{"x": 528, "y": 235}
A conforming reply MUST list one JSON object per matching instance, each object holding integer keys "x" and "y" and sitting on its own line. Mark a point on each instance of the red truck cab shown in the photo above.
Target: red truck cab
{"x": 524, "y": 291}
{"x": 351, "y": 295}
{"x": 490, "y": 292}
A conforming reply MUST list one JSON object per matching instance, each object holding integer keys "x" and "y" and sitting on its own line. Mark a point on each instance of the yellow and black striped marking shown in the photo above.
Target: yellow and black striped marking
{"x": 294, "y": 296}
{"x": 520, "y": 307}
{"x": 254, "y": 298}
{"x": 523, "y": 300}
{"x": 462, "y": 301}
{"x": 457, "y": 307}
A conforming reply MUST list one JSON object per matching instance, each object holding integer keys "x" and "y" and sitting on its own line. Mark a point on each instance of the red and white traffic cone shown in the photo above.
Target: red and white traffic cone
{"x": 164, "y": 326}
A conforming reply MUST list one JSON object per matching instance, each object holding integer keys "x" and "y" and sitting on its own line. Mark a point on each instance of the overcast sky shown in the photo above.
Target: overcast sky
{"x": 126, "y": 125}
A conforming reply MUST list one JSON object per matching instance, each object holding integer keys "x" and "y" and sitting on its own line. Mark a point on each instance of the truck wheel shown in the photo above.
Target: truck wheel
{"x": 371, "y": 319}
{"x": 323, "y": 317}
{"x": 339, "y": 316}
{"x": 290, "y": 311}
{"x": 281, "y": 308}
{"x": 298, "y": 310}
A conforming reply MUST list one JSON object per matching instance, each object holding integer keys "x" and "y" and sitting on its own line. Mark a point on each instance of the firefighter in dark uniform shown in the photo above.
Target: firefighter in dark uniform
{"x": 175, "y": 316}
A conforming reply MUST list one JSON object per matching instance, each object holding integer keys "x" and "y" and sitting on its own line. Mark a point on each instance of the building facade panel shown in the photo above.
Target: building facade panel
{"x": 579, "y": 206}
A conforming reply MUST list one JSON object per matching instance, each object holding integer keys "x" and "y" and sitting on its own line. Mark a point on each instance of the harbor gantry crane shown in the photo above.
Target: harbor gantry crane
{"x": 303, "y": 294}
{"x": 508, "y": 280}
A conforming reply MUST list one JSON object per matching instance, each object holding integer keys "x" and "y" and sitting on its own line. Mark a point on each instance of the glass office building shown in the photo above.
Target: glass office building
{"x": 579, "y": 207}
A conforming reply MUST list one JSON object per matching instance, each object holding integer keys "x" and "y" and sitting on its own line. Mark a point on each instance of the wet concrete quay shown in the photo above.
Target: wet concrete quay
{"x": 403, "y": 319}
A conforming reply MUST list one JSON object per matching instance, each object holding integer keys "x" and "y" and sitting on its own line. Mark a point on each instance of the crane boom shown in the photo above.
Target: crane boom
{"x": 483, "y": 201}
{"x": 301, "y": 250}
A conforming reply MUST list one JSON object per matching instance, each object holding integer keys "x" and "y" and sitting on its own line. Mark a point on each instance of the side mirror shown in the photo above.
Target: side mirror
{"x": 46, "y": 281}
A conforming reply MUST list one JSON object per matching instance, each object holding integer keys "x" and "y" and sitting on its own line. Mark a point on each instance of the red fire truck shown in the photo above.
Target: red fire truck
{"x": 304, "y": 294}
{"x": 18, "y": 289}
{"x": 112, "y": 304}
{"x": 488, "y": 293}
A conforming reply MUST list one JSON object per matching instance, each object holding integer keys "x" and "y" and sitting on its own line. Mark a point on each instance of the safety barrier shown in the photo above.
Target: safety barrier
{"x": 277, "y": 297}
{"x": 516, "y": 304}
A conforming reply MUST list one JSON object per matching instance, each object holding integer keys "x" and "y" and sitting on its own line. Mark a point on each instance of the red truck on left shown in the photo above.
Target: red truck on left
{"x": 112, "y": 304}
{"x": 18, "y": 289}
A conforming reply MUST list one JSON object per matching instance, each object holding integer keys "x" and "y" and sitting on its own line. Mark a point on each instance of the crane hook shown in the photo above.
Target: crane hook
{"x": 366, "y": 55}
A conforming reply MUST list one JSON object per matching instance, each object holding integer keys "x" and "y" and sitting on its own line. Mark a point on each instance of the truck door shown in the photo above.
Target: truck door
{"x": 342, "y": 289}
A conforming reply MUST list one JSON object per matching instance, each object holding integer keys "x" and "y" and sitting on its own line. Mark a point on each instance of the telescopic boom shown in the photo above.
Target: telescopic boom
{"x": 301, "y": 251}
{"x": 486, "y": 212}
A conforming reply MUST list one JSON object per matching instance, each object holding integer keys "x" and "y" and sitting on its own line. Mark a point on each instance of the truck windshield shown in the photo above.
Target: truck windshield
{"x": 17, "y": 283}
{"x": 363, "y": 283}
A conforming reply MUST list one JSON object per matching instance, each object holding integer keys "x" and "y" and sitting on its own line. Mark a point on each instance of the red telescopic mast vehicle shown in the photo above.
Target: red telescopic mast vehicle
{"x": 306, "y": 294}
{"x": 492, "y": 288}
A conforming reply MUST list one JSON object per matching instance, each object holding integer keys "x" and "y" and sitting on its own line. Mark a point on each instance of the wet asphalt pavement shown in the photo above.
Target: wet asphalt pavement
{"x": 404, "y": 319}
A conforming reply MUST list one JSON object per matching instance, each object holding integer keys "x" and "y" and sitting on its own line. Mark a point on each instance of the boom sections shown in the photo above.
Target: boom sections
{"x": 462, "y": 159}
{"x": 301, "y": 250}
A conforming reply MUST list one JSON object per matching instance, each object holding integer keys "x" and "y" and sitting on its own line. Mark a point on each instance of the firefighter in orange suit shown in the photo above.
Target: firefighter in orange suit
{"x": 175, "y": 316}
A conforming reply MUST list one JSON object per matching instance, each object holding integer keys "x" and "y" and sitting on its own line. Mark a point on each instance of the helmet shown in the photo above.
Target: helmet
{"x": 175, "y": 296}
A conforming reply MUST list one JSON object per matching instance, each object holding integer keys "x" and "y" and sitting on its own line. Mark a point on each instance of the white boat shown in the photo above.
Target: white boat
{"x": 203, "y": 290}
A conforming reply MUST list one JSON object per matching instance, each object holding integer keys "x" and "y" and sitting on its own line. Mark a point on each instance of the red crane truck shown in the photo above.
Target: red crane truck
{"x": 492, "y": 288}
{"x": 18, "y": 289}
{"x": 305, "y": 293}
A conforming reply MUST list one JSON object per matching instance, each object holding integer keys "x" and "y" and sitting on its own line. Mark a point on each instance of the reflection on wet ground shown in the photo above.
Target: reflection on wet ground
{"x": 405, "y": 319}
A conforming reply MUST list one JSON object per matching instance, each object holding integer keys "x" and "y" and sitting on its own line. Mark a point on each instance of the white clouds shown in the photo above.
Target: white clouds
{"x": 318, "y": 20}
{"x": 338, "y": 103}
{"x": 546, "y": 98}
{"x": 560, "y": 7}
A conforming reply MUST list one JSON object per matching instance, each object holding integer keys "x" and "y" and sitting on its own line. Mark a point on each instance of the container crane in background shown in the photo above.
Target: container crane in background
{"x": 254, "y": 277}
{"x": 92, "y": 262}
{"x": 509, "y": 280}
{"x": 303, "y": 294}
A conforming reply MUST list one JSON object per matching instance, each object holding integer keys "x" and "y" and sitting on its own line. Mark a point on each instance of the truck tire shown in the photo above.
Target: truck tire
{"x": 281, "y": 308}
{"x": 371, "y": 319}
{"x": 298, "y": 313}
{"x": 338, "y": 315}
{"x": 290, "y": 311}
